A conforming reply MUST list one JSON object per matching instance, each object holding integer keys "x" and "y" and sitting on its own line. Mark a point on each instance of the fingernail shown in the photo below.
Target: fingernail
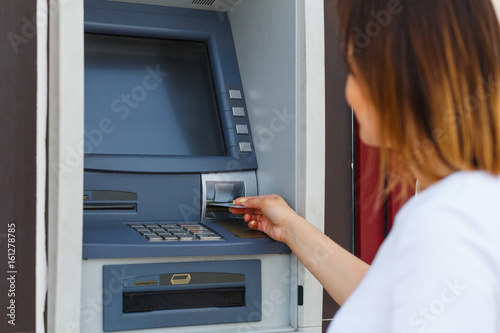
{"x": 243, "y": 200}
{"x": 252, "y": 223}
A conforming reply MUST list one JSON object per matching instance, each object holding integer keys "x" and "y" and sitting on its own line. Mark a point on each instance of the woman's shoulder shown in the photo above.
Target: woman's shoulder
{"x": 472, "y": 196}
{"x": 444, "y": 254}
{"x": 454, "y": 221}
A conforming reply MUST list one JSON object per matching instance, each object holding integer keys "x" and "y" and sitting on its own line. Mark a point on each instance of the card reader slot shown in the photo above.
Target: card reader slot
{"x": 109, "y": 206}
{"x": 183, "y": 299}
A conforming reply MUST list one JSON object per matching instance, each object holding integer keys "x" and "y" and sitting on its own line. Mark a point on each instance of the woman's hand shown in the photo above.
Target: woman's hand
{"x": 337, "y": 269}
{"x": 269, "y": 214}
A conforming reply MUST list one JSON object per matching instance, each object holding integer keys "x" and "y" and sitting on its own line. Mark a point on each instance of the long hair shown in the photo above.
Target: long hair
{"x": 432, "y": 71}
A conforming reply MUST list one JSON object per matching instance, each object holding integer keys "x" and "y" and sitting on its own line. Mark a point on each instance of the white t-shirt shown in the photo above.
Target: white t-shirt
{"x": 438, "y": 271}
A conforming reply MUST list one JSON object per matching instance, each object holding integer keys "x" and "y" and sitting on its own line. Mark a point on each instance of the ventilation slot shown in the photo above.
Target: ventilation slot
{"x": 203, "y": 2}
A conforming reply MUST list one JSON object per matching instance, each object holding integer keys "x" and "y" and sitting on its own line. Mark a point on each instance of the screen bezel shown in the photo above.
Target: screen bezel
{"x": 213, "y": 28}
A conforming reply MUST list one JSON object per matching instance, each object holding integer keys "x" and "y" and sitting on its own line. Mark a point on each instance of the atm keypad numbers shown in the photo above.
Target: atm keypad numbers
{"x": 163, "y": 232}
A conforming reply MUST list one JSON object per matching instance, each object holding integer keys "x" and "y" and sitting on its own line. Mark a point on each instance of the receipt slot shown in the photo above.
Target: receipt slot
{"x": 203, "y": 102}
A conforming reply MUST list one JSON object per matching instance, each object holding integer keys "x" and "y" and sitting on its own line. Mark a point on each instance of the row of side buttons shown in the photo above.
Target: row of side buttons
{"x": 245, "y": 147}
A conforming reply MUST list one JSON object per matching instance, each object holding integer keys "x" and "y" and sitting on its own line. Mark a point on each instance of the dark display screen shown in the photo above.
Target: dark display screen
{"x": 147, "y": 96}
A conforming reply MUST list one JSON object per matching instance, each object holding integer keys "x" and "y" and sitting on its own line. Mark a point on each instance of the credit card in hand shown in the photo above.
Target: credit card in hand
{"x": 224, "y": 204}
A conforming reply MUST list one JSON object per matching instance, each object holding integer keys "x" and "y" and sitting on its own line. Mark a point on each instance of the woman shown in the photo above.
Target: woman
{"x": 424, "y": 83}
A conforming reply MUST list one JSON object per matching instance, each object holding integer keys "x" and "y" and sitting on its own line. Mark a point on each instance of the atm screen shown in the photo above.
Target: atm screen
{"x": 147, "y": 96}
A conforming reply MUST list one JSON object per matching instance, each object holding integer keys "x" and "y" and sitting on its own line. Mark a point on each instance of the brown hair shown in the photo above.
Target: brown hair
{"x": 432, "y": 71}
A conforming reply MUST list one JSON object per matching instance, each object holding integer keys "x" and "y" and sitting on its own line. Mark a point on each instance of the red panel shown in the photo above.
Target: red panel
{"x": 370, "y": 213}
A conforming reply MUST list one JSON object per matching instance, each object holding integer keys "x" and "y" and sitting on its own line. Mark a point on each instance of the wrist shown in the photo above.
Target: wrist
{"x": 289, "y": 229}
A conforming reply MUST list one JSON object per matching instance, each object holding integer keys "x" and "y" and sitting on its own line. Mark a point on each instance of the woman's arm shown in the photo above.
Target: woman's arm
{"x": 335, "y": 268}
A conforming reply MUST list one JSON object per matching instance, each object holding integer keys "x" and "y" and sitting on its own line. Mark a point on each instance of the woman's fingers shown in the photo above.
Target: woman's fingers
{"x": 243, "y": 210}
{"x": 251, "y": 217}
{"x": 267, "y": 213}
{"x": 254, "y": 202}
{"x": 253, "y": 225}
{"x": 249, "y": 214}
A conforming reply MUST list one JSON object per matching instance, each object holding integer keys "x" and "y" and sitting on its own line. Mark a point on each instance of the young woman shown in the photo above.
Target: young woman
{"x": 424, "y": 83}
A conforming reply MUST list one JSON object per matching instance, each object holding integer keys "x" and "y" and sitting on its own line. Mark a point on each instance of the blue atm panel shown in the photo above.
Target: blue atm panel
{"x": 120, "y": 240}
{"x": 164, "y": 109}
{"x": 143, "y": 296}
{"x": 121, "y": 208}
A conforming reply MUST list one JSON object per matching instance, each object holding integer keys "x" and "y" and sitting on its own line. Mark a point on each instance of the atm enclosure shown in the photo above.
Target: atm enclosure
{"x": 187, "y": 107}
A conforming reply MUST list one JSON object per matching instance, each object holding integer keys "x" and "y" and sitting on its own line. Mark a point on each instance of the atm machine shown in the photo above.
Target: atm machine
{"x": 188, "y": 106}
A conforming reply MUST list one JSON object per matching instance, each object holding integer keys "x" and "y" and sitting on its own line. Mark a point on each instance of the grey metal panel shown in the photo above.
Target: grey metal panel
{"x": 275, "y": 294}
{"x": 265, "y": 43}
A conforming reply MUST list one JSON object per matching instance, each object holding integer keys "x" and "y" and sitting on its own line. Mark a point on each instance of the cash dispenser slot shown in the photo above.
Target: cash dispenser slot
{"x": 181, "y": 294}
{"x": 183, "y": 299}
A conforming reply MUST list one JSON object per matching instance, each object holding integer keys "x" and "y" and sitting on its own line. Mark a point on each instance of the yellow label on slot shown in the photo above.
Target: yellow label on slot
{"x": 180, "y": 278}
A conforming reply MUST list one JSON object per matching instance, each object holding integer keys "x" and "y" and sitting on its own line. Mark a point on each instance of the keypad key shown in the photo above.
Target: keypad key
{"x": 180, "y": 232}
{"x": 185, "y": 237}
{"x": 169, "y": 237}
{"x": 196, "y": 229}
{"x": 208, "y": 237}
{"x": 201, "y": 232}
{"x": 153, "y": 238}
